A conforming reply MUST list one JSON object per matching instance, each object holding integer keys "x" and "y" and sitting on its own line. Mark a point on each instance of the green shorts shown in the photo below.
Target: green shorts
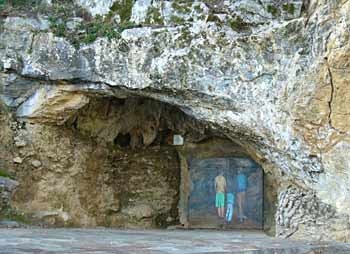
{"x": 220, "y": 199}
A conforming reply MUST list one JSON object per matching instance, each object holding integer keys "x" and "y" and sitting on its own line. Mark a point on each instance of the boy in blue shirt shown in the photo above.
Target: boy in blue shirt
{"x": 242, "y": 185}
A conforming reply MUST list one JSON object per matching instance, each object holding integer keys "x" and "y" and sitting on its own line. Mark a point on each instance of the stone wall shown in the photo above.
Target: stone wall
{"x": 302, "y": 214}
{"x": 78, "y": 175}
{"x": 6, "y": 144}
{"x": 271, "y": 76}
{"x": 82, "y": 183}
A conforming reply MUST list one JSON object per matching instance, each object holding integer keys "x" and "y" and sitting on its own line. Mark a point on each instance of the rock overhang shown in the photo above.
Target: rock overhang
{"x": 270, "y": 89}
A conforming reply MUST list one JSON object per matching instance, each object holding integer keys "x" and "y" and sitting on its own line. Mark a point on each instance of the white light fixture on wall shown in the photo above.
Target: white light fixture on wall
{"x": 178, "y": 140}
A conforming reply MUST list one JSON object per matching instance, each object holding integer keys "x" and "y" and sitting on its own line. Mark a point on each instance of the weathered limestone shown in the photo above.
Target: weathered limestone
{"x": 96, "y": 7}
{"x": 51, "y": 102}
{"x": 83, "y": 174}
{"x": 298, "y": 211}
{"x": 273, "y": 76}
{"x": 6, "y": 145}
{"x": 7, "y": 186}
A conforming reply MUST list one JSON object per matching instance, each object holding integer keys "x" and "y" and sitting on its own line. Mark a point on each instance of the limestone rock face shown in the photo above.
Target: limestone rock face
{"x": 6, "y": 145}
{"x": 292, "y": 216}
{"x": 96, "y": 7}
{"x": 272, "y": 76}
{"x": 85, "y": 174}
{"x": 7, "y": 186}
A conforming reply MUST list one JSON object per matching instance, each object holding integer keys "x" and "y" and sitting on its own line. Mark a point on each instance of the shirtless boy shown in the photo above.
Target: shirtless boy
{"x": 220, "y": 188}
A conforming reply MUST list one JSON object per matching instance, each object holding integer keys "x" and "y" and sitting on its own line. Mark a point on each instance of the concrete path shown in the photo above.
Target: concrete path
{"x": 103, "y": 241}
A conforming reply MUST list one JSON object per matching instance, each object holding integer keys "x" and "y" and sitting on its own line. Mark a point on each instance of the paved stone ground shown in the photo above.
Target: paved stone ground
{"x": 103, "y": 241}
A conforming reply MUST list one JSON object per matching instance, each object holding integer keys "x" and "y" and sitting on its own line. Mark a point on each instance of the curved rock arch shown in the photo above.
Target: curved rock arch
{"x": 279, "y": 91}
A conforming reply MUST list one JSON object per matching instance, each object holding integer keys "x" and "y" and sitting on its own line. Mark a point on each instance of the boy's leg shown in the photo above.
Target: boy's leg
{"x": 242, "y": 205}
{"x": 217, "y": 204}
{"x": 229, "y": 213}
{"x": 239, "y": 202}
{"x": 222, "y": 205}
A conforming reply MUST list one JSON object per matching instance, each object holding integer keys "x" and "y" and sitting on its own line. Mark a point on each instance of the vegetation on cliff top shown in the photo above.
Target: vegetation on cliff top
{"x": 289, "y": 7}
{"x": 89, "y": 28}
{"x": 61, "y": 12}
{"x": 78, "y": 26}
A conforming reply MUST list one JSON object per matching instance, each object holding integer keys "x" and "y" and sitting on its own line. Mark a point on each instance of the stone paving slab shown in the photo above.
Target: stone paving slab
{"x": 108, "y": 241}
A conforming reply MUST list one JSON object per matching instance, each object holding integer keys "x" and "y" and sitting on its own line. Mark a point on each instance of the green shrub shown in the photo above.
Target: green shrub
{"x": 238, "y": 24}
{"x": 214, "y": 18}
{"x": 154, "y": 17}
{"x": 123, "y": 9}
{"x": 182, "y": 7}
{"x": 20, "y": 3}
{"x": 59, "y": 14}
{"x": 58, "y": 28}
{"x": 198, "y": 8}
{"x": 289, "y": 8}
{"x": 177, "y": 20}
{"x": 13, "y": 215}
{"x": 125, "y": 25}
{"x": 97, "y": 28}
{"x": 273, "y": 10}
{"x": 61, "y": 11}
{"x": 4, "y": 173}
{"x": 89, "y": 30}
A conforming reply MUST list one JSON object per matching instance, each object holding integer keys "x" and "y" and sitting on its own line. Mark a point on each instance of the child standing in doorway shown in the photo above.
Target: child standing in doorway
{"x": 230, "y": 205}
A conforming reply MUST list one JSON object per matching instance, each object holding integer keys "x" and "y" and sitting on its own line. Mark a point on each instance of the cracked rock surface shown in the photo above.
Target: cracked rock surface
{"x": 272, "y": 76}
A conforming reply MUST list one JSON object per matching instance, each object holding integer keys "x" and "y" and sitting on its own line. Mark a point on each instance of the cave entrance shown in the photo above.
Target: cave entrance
{"x": 162, "y": 165}
{"x": 142, "y": 163}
